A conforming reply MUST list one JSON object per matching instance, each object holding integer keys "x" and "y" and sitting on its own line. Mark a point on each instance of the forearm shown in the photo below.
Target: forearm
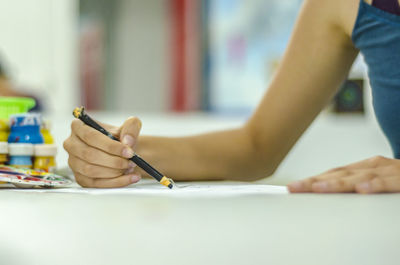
{"x": 316, "y": 62}
{"x": 213, "y": 156}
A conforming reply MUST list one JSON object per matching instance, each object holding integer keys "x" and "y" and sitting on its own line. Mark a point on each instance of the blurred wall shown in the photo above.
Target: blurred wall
{"x": 141, "y": 74}
{"x": 37, "y": 43}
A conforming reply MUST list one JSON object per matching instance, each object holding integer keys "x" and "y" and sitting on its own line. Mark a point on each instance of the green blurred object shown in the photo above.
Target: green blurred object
{"x": 15, "y": 105}
{"x": 350, "y": 98}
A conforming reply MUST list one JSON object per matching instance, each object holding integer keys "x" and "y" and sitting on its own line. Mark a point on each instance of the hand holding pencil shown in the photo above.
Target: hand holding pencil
{"x": 97, "y": 160}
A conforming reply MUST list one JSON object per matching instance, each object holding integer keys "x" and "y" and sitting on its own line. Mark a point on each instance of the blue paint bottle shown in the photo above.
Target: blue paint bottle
{"x": 20, "y": 155}
{"x": 25, "y": 128}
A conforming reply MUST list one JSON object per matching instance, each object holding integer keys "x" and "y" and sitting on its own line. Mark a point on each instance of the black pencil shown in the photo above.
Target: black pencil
{"x": 79, "y": 113}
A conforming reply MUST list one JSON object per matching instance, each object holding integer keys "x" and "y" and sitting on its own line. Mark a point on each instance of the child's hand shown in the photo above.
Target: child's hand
{"x": 98, "y": 161}
{"x": 374, "y": 175}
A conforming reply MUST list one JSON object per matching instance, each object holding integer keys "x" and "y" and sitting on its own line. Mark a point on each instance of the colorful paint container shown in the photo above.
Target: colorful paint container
{"x": 45, "y": 130}
{"x": 3, "y": 153}
{"x": 29, "y": 178}
{"x": 4, "y": 130}
{"x": 20, "y": 155}
{"x": 45, "y": 157}
{"x": 25, "y": 128}
{"x": 15, "y": 105}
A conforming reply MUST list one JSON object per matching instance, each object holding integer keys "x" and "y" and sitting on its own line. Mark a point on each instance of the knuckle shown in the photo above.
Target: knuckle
{"x": 78, "y": 178}
{"x": 379, "y": 182}
{"x": 88, "y": 135}
{"x": 379, "y": 158}
{"x": 341, "y": 183}
{"x": 97, "y": 183}
{"x": 87, "y": 154}
{"x": 376, "y": 160}
{"x": 120, "y": 163}
{"x": 66, "y": 144}
{"x": 370, "y": 175}
{"x": 113, "y": 148}
{"x": 82, "y": 183}
{"x": 346, "y": 172}
{"x": 312, "y": 179}
{"x": 338, "y": 169}
{"x": 90, "y": 183}
{"x": 87, "y": 169}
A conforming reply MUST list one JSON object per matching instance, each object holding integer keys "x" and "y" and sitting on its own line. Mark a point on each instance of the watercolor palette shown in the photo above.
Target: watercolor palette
{"x": 29, "y": 178}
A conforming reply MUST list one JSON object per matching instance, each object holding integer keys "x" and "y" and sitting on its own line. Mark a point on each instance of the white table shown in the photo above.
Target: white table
{"x": 63, "y": 228}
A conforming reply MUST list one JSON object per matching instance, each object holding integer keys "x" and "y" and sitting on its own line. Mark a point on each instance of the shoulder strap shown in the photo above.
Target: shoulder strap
{"x": 391, "y": 6}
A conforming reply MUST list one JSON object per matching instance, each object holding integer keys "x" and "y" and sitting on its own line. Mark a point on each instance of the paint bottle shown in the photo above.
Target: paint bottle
{"x": 4, "y": 130}
{"x": 25, "y": 128}
{"x": 20, "y": 155}
{"x": 3, "y": 153}
{"x": 45, "y": 130}
{"x": 45, "y": 157}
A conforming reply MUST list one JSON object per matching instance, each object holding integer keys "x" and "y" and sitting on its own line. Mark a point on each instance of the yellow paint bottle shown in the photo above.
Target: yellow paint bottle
{"x": 3, "y": 153}
{"x": 45, "y": 130}
{"x": 4, "y": 130}
{"x": 45, "y": 157}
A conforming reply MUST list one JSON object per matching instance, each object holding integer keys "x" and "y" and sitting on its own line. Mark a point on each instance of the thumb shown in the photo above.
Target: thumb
{"x": 129, "y": 131}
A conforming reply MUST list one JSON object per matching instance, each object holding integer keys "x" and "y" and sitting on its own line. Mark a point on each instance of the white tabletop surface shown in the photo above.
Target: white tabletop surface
{"x": 68, "y": 228}
{"x": 277, "y": 228}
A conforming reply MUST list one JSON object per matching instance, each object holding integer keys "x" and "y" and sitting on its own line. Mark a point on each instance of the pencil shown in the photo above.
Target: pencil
{"x": 79, "y": 113}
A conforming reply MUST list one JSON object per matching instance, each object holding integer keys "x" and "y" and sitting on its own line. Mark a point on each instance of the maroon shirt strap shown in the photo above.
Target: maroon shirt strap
{"x": 391, "y": 6}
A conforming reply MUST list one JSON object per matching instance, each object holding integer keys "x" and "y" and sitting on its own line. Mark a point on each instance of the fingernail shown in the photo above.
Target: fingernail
{"x": 128, "y": 140}
{"x": 131, "y": 164}
{"x": 127, "y": 152}
{"x": 129, "y": 170}
{"x": 295, "y": 186}
{"x": 135, "y": 178}
{"x": 364, "y": 187}
{"x": 320, "y": 186}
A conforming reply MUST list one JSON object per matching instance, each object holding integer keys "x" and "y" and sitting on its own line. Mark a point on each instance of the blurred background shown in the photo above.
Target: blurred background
{"x": 214, "y": 58}
{"x": 157, "y": 55}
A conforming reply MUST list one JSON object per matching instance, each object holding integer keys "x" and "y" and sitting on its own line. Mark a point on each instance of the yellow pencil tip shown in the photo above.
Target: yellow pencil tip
{"x": 166, "y": 182}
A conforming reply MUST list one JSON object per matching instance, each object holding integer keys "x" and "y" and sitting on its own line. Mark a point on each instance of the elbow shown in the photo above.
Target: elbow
{"x": 262, "y": 160}
{"x": 262, "y": 172}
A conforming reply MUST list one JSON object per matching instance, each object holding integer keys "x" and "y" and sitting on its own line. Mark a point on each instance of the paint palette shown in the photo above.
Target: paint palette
{"x": 29, "y": 178}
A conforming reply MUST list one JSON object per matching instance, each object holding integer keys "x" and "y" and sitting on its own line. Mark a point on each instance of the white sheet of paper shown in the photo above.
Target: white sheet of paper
{"x": 183, "y": 189}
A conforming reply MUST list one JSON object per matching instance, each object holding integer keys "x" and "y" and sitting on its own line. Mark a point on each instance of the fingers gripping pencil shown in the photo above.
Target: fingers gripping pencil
{"x": 79, "y": 113}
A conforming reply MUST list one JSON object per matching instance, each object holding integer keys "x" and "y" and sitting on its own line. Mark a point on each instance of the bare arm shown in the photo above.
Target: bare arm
{"x": 317, "y": 60}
